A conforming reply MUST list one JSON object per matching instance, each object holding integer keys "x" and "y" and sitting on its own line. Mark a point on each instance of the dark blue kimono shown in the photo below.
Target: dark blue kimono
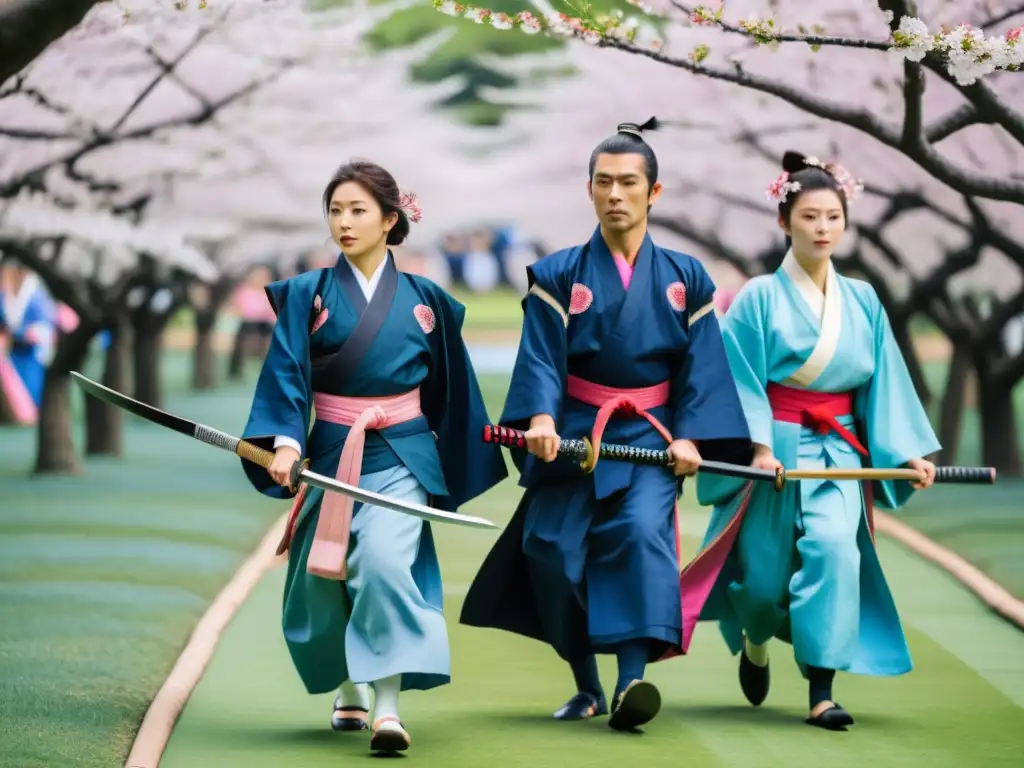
{"x": 389, "y": 622}
{"x": 590, "y": 561}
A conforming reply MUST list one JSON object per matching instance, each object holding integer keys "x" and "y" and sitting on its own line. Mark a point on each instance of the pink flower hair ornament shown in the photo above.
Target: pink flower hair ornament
{"x": 781, "y": 188}
{"x": 409, "y": 203}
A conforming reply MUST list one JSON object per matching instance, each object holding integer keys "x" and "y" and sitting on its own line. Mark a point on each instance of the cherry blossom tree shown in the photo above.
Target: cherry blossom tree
{"x": 68, "y": 217}
{"x": 969, "y": 79}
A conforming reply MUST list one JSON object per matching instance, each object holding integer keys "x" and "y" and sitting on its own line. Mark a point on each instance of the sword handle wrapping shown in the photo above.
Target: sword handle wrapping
{"x": 581, "y": 451}
{"x": 263, "y": 458}
{"x": 971, "y": 475}
{"x": 254, "y": 453}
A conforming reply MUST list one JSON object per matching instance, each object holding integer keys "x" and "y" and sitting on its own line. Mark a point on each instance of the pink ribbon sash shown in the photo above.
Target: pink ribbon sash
{"x": 22, "y": 406}
{"x": 328, "y": 554}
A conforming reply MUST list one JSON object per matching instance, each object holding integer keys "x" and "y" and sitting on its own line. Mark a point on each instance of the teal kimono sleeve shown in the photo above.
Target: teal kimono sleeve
{"x": 703, "y": 396}
{"x": 746, "y": 350}
{"x": 539, "y": 373}
{"x": 891, "y": 414}
{"x": 282, "y": 401}
{"x": 456, "y": 411}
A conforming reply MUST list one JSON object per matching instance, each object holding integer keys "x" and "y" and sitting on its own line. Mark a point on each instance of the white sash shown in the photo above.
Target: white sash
{"x": 828, "y": 308}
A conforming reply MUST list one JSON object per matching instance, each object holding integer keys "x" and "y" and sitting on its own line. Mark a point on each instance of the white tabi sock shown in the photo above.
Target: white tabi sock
{"x": 386, "y": 697}
{"x": 758, "y": 654}
{"x": 354, "y": 695}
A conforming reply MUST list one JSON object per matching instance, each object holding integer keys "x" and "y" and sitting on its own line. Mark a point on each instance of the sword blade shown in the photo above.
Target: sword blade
{"x": 222, "y": 440}
{"x": 408, "y": 507}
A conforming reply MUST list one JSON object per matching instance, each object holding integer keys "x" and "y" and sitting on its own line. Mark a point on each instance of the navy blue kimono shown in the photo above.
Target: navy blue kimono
{"x": 386, "y": 617}
{"x": 590, "y": 561}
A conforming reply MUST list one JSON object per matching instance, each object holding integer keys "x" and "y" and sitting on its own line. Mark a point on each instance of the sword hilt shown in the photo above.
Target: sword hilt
{"x": 582, "y": 452}
{"x": 264, "y": 458}
{"x": 971, "y": 475}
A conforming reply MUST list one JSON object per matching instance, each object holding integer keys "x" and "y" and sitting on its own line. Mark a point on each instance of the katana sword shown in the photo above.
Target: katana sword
{"x": 261, "y": 456}
{"x": 582, "y": 452}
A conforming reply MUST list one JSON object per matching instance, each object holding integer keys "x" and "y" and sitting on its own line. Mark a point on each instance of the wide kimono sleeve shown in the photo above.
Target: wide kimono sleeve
{"x": 743, "y": 340}
{"x": 456, "y": 411}
{"x": 706, "y": 406}
{"x": 891, "y": 413}
{"x": 539, "y": 373}
{"x": 282, "y": 401}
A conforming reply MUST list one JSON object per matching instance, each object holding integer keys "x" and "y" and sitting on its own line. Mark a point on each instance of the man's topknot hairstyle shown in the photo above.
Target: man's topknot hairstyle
{"x": 628, "y": 140}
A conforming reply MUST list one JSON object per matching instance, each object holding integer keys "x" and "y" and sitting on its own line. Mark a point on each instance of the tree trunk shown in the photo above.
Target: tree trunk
{"x": 900, "y": 324}
{"x": 1000, "y": 447}
{"x": 104, "y": 423}
{"x": 55, "y": 454}
{"x": 951, "y": 416}
{"x": 204, "y": 357}
{"x": 147, "y": 346}
{"x": 27, "y": 27}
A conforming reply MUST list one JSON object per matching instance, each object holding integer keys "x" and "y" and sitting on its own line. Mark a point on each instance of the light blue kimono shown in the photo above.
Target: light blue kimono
{"x": 803, "y": 565}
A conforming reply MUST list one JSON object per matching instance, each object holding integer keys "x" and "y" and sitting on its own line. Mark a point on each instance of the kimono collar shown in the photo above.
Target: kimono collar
{"x": 18, "y": 303}
{"x": 828, "y": 311}
{"x": 808, "y": 289}
{"x": 598, "y": 245}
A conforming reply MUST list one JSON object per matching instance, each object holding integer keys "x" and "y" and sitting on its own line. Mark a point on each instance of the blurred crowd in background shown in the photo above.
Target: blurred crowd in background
{"x": 478, "y": 260}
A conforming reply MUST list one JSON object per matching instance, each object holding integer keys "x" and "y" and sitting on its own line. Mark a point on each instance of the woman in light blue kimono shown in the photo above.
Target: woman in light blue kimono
{"x": 823, "y": 384}
{"x": 379, "y": 356}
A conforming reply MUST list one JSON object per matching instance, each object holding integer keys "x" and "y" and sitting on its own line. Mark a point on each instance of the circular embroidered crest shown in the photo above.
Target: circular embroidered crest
{"x": 580, "y": 299}
{"x": 677, "y": 296}
{"x": 424, "y": 316}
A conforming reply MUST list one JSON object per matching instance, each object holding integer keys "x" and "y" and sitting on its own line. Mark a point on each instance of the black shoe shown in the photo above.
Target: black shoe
{"x": 754, "y": 680}
{"x": 635, "y": 706}
{"x": 835, "y": 718}
{"x": 582, "y": 706}
{"x": 349, "y": 718}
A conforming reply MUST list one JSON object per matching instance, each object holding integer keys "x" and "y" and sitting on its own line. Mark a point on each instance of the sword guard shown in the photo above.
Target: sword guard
{"x": 780, "y": 479}
{"x": 590, "y": 458}
{"x": 298, "y": 468}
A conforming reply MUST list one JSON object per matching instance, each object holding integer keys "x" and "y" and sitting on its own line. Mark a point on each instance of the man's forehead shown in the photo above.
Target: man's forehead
{"x": 620, "y": 165}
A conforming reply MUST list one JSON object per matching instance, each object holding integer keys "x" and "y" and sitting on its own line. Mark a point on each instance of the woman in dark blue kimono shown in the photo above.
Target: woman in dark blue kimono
{"x": 379, "y": 355}
{"x": 614, "y": 327}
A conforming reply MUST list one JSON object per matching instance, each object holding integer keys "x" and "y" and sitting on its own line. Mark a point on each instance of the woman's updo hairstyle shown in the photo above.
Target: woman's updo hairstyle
{"x": 810, "y": 174}
{"x": 382, "y": 187}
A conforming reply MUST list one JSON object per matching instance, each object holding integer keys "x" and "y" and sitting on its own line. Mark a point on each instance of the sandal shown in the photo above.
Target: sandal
{"x": 389, "y": 735}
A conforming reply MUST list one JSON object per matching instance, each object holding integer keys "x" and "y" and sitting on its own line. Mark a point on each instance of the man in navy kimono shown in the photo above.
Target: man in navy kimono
{"x": 619, "y": 340}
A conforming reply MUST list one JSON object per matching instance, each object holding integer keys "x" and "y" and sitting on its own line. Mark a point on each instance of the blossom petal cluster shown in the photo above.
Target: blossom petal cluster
{"x": 968, "y": 53}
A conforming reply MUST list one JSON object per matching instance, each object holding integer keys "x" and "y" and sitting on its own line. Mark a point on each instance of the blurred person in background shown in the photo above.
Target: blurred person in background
{"x": 28, "y": 339}
{"x": 257, "y": 318}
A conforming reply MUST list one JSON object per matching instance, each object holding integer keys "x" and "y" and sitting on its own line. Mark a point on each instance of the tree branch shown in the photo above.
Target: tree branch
{"x": 913, "y": 104}
{"x": 812, "y": 40}
{"x": 1001, "y": 16}
{"x": 27, "y": 27}
{"x": 990, "y": 108}
{"x": 962, "y": 117}
{"x": 966, "y": 182}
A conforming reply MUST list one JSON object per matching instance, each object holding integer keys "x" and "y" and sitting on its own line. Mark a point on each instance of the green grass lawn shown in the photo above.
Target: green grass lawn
{"x": 102, "y": 577}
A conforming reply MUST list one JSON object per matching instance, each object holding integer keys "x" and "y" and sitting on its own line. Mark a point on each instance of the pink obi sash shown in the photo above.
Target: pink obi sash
{"x": 330, "y": 544}
{"x": 611, "y": 400}
{"x": 817, "y": 410}
{"x": 629, "y": 402}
